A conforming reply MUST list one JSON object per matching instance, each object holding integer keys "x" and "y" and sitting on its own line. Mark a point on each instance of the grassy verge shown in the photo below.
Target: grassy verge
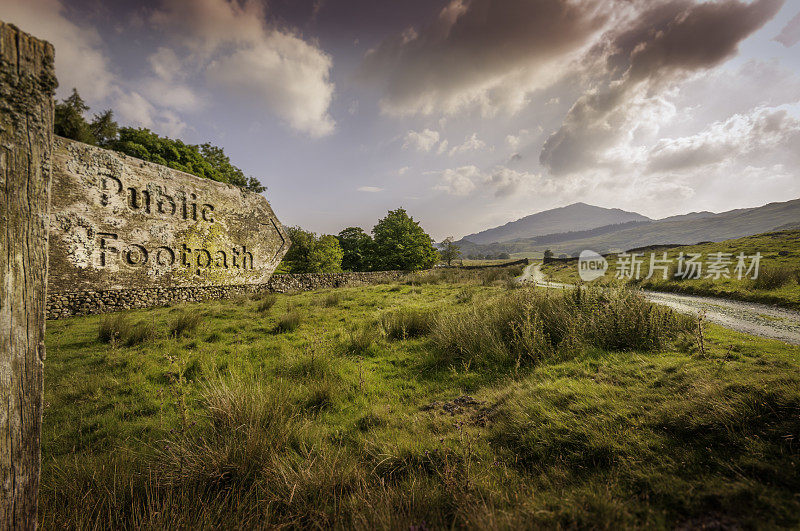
{"x": 349, "y": 420}
{"x": 778, "y": 282}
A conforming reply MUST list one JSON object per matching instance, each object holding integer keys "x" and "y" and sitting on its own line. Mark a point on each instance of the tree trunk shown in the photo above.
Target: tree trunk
{"x": 27, "y": 82}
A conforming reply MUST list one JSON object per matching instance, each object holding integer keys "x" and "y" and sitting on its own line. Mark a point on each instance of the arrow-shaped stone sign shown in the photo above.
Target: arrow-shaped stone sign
{"x": 121, "y": 223}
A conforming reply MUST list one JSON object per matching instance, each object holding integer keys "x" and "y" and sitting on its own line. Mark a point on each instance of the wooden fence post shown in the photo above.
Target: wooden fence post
{"x": 27, "y": 83}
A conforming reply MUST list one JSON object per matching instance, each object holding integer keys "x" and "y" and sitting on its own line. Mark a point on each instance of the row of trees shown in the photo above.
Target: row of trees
{"x": 204, "y": 160}
{"x": 396, "y": 242}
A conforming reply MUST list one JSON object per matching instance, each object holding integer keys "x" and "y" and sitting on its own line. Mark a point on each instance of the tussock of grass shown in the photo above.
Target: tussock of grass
{"x": 407, "y": 323}
{"x": 185, "y": 323}
{"x": 119, "y": 329}
{"x": 141, "y": 332}
{"x": 289, "y": 322}
{"x": 332, "y": 299}
{"x": 266, "y": 302}
{"x": 361, "y": 340}
{"x": 773, "y": 277}
{"x": 114, "y": 328}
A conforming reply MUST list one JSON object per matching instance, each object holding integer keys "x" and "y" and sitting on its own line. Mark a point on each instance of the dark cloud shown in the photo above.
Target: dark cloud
{"x": 662, "y": 46}
{"x": 479, "y": 51}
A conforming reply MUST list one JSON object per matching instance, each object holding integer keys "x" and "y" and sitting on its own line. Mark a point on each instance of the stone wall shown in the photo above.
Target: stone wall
{"x": 67, "y": 304}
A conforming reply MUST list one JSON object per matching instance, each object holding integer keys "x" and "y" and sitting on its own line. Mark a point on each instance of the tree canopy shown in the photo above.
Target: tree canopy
{"x": 400, "y": 243}
{"x": 358, "y": 249}
{"x": 205, "y": 160}
{"x": 310, "y": 253}
{"x": 449, "y": 250}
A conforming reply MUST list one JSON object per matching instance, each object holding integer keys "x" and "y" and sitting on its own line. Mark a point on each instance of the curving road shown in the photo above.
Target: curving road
{"x": 748, "y": 317}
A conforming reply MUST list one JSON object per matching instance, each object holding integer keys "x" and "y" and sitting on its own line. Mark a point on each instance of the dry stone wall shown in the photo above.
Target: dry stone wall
{"x": 67, "y": 304}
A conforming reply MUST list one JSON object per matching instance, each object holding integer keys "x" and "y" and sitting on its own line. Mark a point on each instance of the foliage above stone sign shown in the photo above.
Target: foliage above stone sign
{"x": 118, "y": 223}
{"x": 205, "y": 160}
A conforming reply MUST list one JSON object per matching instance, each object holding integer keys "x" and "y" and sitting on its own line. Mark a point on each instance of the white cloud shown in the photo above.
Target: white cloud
{"x": 757, "y": 133}
{"x": 135, "y": 109}
{"x": 80, "y": 61}
{"x": 459, "y": 181}
{"x": 514, "y": 141}
{"x": 402, "y": 171}
{"x": 422, "y": 141}
{"x": 472, "y": 143}
{"x": 369, "y": 189}
{"x": 273, "y": 68}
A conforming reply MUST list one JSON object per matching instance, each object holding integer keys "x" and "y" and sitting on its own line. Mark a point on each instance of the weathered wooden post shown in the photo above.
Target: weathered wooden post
{"x": 27, "y": 83}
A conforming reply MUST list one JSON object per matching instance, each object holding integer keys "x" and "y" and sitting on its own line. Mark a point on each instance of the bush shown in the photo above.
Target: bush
{"x": 772, "y": 277}
{"x": 267, "y": 302}
{"x": 407, "y": 323}
{"x": 289, "y": 322}
{"x": 185, "y": 323}
{"x": 114, "y": 328}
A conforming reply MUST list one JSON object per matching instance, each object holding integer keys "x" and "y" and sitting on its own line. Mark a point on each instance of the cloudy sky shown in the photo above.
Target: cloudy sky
{"x": 468, "y": 113}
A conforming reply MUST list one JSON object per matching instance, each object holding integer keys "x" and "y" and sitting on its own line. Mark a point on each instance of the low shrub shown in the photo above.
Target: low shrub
{"x": 772, "y": 277}
{"x": 267, "y": 302}
{"x": 184, "y": 324}
{"x": 407, "y": 323}
{"x": 289, "y": 322}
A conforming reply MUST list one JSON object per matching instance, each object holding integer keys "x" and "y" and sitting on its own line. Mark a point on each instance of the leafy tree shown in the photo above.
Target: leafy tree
{"x": 227, "y": 172}
{"x": 358, "y": 248}
{"x": 449, "y": 251}
{"x": 206, "y": 160}
{"x": 311, "y": 254}
{"x": 69, "y": 119}
{"x": 103, "y": 128}
{"x": 504, "y": 256}
{"x": 548, "y": 256}
{"x": 400, "y": 243}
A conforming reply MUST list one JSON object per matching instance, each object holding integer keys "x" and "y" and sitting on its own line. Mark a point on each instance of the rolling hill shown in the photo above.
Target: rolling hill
{"x": 685, "y": 229}
{"x": 575, "y": 217}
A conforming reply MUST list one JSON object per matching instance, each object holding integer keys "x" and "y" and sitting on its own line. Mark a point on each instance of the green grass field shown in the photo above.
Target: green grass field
{"x": 451, "y": 400}
{"x": 780, "y": 270}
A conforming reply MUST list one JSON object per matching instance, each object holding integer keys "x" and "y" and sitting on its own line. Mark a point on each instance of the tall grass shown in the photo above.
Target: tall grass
{"x": 529, "y": 326}
{"x": 119, "y": 329}
{"x": 185, "y": 323}
{"x": 407, "y": 323}
{"x": 773, "y": 277}
{"x": 266, "y": 303}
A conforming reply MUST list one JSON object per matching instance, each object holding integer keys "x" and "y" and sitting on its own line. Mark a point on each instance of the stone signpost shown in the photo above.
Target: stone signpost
{"x": 116, "y": 225}
{"x": 119, "y": 223}
{"x": 27, "y": 82}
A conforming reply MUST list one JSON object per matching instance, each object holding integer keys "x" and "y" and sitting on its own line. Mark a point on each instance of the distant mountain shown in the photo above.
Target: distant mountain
{"x": 575, "y": 217}
{"x": 689, "y": 216}
{"x": 674, "y": 230}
